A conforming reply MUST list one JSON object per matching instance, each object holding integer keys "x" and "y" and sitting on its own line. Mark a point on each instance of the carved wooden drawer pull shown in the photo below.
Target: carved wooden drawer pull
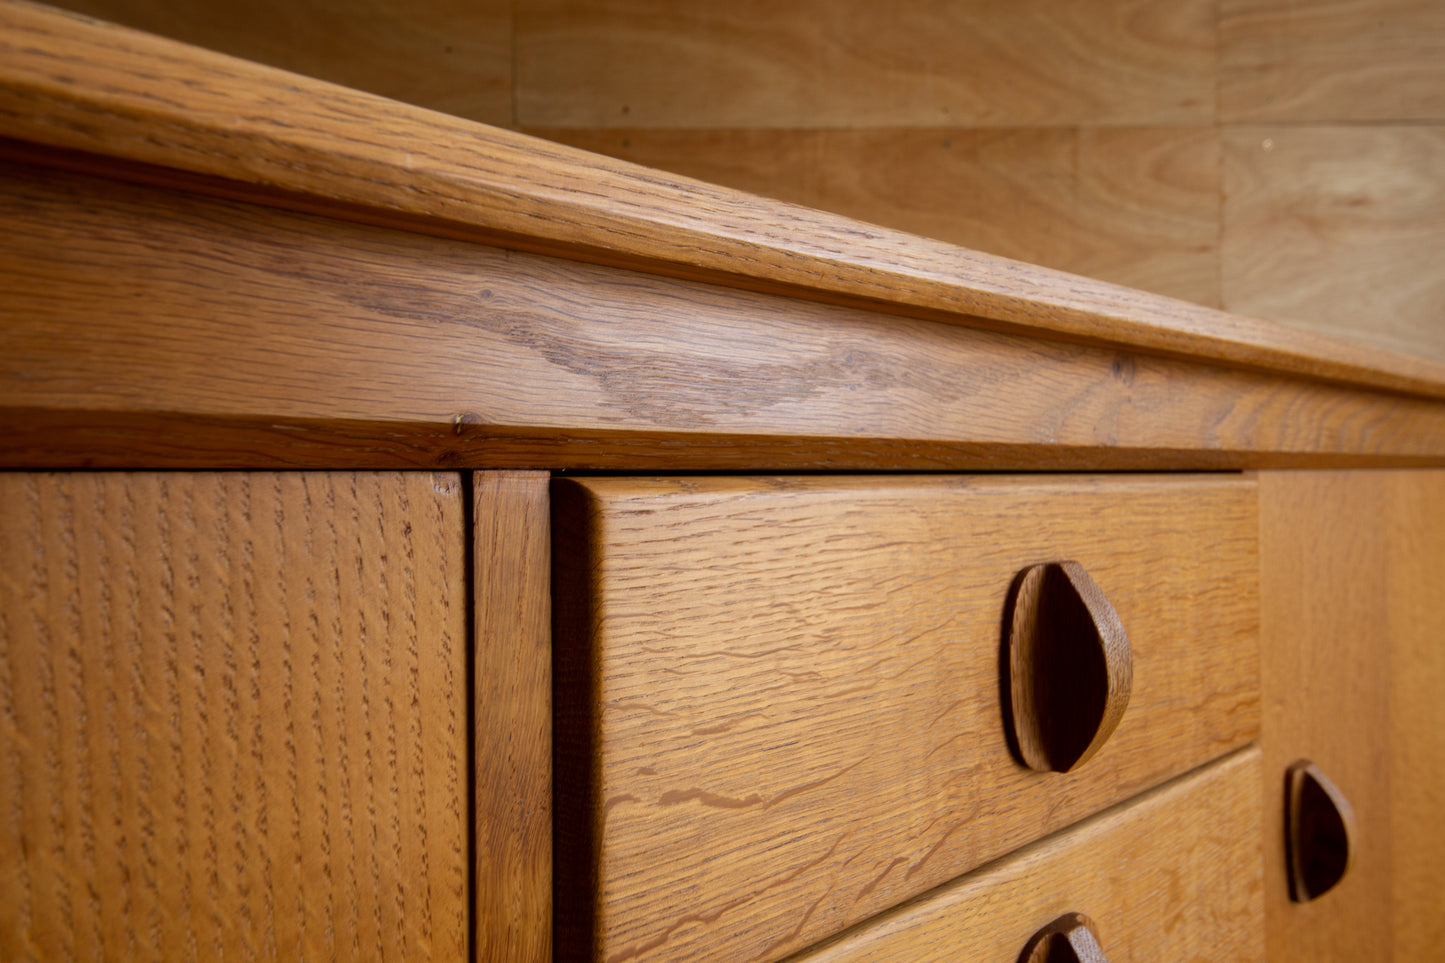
{"x": 1319, "y": 832}
{"x": 1069, "y": 666}
{"x": 1068, "y": 939}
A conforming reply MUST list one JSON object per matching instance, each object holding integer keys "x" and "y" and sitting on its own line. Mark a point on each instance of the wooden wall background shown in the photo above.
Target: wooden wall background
{"x": 1273, "y": 157}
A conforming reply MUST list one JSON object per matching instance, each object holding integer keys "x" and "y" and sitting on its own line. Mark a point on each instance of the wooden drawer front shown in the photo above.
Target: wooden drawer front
{"x": 779, "y": 699}
{"x": 1174, "y": 875}
{"x": 233, "y": 717}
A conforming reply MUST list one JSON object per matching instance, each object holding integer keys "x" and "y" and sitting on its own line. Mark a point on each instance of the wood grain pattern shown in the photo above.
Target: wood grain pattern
{"x": 513, "y": 817}
{"x": 1131, "y": 205}
{"x": 221, "y": 333}
{"x": 649, "y": 63}
{"x": 1339, "y": 230}
{"x": 1325, "y": 673}
{"x": 218, "y": 124}
{"x": 795, "y": 688}
{"x": 1332, "y": 61}
{"x": 446, "y": 55}
{"x": 1147, "y": 209}
{"x": 233, "y": 717}
{"x": 1417, "y": 711}
{"x": 1173, "y": 875}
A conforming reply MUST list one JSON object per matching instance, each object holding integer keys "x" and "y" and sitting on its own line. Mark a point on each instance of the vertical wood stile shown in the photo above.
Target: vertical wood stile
{"x": 513, "y": 700}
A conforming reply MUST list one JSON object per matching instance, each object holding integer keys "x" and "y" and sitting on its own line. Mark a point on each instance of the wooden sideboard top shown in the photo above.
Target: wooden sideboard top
{"x": 1096, "y": 375}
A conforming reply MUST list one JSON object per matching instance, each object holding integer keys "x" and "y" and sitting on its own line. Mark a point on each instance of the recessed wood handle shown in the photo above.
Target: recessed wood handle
{"x": 1068, "y": 939}
{"x": 1319, "y": 832}
{"x": 1070, "y": 668}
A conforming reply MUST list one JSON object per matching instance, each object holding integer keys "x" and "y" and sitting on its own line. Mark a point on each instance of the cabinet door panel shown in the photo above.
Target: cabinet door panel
{"x": 1351, "y": 622}
{"x": 1325, "y": 678}
{"x": 1417, "y": 712}
{"x": 232, "y": 716}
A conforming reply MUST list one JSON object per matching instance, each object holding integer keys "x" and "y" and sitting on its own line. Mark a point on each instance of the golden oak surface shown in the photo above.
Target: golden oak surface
{"x": 512, "y": 649}
{"x": 158, "y": 110}
{"x": 1083, "y": 138}
{"x": 1351, "y": 566}
{"x": 1417, "y": 713}
{"x": 1171, "y": 875}
{"x": 209, "y": 264}
{"x": 790, "y": 688}
{"x": 233, "y": 716}
{"x": 226, "y": 334}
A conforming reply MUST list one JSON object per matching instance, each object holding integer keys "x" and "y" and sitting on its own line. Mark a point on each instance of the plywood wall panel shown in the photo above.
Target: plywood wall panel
{"x": 1148, "y": 211}
{"x": 824, "y": 64}
{"x": 232, "y": 717}
{"x": 1340, "y": 230}
{"x": 1331, "y": 60}
{"x": 995, "y": 190}
{"x": 449, "y": 55}
{"x": 1138, "y": 206}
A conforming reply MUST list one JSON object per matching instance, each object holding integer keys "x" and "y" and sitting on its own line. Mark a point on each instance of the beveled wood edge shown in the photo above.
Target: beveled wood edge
{"x": 41, "y": 439}
{"x": 147, "y": 108}
{"x": 1245, "y": 755}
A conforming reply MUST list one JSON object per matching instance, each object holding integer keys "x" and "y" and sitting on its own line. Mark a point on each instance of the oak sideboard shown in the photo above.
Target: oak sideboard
{"x": 423, "y": 541}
